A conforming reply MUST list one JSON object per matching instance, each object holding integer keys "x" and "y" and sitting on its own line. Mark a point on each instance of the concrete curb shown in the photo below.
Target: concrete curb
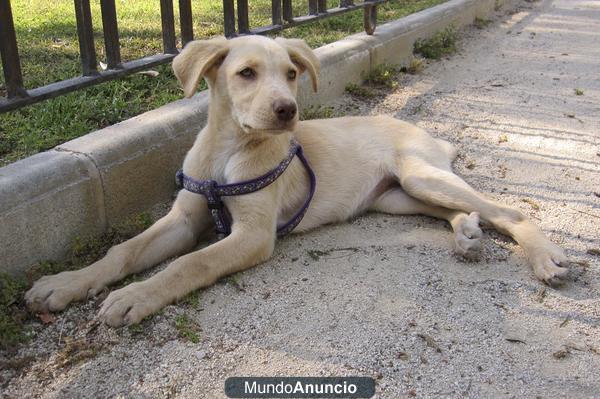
{"x": 85, "y": 185}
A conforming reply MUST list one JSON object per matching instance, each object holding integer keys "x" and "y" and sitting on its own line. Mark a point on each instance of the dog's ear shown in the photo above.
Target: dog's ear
{"x": 195, "y": 61}
{"x": 303, "y": 57}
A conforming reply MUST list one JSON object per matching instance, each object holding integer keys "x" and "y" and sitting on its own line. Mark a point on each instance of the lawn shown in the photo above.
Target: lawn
{"x": 49, "y": 52}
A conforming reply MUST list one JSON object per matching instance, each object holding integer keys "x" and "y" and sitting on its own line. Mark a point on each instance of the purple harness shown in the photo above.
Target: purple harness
{"x": 213, "y": 192}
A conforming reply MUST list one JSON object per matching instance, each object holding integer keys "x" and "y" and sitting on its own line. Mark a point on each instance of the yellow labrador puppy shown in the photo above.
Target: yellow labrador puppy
{"x": 361, "y": 163}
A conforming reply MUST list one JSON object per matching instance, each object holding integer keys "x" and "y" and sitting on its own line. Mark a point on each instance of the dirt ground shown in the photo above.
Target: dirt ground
{"x": 384, "y": 296}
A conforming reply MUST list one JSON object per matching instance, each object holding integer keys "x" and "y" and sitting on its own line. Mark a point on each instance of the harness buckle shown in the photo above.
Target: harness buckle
{"x": 218, "y": 204}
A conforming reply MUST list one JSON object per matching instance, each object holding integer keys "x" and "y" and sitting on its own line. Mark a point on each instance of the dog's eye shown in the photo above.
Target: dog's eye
{"x": 247, "y": 73}
{"x": 291, "y": 74}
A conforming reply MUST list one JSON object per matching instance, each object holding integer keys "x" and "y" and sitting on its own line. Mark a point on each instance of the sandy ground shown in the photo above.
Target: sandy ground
{"x": 384, "y": 296}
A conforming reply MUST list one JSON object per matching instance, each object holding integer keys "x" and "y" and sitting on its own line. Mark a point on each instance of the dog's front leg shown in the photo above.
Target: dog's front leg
{"x": 245, "y": 247}
{"x": 172, "y": 235}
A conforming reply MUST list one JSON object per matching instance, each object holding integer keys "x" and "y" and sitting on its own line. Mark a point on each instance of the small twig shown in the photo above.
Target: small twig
{"x": 540, "y": 295}
{"x": 585, "y": 213}
{"x": 62, "y": 323}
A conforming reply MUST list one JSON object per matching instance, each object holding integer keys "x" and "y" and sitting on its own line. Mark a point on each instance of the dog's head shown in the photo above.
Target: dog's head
{"x": 255, "y": 75}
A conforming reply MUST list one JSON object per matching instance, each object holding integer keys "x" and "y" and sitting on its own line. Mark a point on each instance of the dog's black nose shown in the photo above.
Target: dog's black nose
{"x": 285, "y": 110}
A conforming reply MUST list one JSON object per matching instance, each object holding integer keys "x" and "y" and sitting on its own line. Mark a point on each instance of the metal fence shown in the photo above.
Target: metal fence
{"x": 282, "y": 17}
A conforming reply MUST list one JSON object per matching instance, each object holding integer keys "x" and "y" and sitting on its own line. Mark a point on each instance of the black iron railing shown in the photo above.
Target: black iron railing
{"x": 282, "y": 17}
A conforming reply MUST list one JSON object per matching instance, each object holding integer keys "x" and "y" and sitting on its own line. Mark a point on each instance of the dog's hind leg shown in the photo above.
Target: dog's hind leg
{"x": 467, "y": 234}
{"x": 443, "y": 188}
{"x": 175, "y": 233}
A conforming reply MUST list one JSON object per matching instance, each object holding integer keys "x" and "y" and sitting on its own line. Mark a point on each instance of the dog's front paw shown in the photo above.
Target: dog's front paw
{"x": 549, "y": 263}
{"x": 129, "y": 305}
{"x": 54, "y": 293}
{"x": 467, "y": 236}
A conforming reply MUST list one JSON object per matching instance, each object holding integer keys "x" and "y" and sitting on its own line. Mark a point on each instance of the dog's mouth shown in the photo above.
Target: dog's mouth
{"x": 271, "y": 130}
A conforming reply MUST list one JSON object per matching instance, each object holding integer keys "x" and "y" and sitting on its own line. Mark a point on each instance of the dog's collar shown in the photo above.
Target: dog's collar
{"x": 214, "y": 191}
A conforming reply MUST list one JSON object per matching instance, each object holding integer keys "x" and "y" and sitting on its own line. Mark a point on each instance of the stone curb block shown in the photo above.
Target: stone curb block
{"x": 87, "y": 184}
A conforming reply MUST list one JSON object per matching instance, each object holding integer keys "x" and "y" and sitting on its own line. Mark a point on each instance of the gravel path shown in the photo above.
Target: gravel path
{"x": 384, "y": 296}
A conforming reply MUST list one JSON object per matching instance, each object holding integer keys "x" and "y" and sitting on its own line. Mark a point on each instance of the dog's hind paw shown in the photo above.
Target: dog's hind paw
{"x": 549, "y": 263}
{"x": 467, "y": 236}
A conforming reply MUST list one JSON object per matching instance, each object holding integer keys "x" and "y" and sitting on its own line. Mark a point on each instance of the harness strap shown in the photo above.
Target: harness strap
{"x": 213, "y": 192}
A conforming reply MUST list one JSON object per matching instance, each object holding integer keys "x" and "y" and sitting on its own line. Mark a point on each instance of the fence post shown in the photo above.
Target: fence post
{"x": 85, "y": 33}
{"x": 186, "y": 22}
{"x": 276, "y": 12}
{"x": 167, "y": 18}
{"x": 322, "y": 6}
{"x": 228, "y": 18}
{"x": 312, "y": 7}
{"x": 288, "y": 12}
{"x": 111, "y": 33}
{"x": 370, "y": 19}
{"x": 242, "y": 11}
{"x": 10, "y": 53}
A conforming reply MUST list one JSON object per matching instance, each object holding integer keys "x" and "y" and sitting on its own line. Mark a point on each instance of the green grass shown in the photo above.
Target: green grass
{"x": 382, "y": 78}
{"x": 481, "y": 23}
{"x": 415, "y": 66}
{"x": 318, "y": 112}
{"x": 12, "y": 331}
{"x": 578, "y": 92}
{"x": 49, "y": 53}
{"x": 187, "y": 329}
{"x": 440, "y": 44}
{"x": 383, "y": 75}
{"x": 360, "y": 91}
{"x": 85, "y": 250}
{"x": 192, "y": 300}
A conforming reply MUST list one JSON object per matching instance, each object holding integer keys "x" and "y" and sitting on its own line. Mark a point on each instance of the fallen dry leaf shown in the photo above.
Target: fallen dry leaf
{"x": 46, "y": 318}
{"x": 149, "y": 73}
{"x": 430, "y": 341}
{"x": 531, "y": 202}
{"x": 561, "y": 354}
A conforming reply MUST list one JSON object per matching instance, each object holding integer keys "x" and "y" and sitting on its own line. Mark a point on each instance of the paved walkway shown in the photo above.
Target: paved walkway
{"x": 384, "y": 296}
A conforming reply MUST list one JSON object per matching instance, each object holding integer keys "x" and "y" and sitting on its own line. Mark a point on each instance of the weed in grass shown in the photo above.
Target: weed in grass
{"x": 382, "y": 75}
{"x": 192, "y": 300}
{"x": 187, "y": 329}
{"x": 12, "y": 314}
{"x": 135, "y": 329}
{"x": 235, "y": 280}
{"x": 76, "y": 351}
{"x": 440, "y": 44}
{"x": 360, "y": 91}
{"x": 318, "y": 112}
{"x": 415, "y": 66}
{"x": 85, "y": 250}
{"x": 481, "y": 23}
{"x": 578, "y": 92}
{"x": 503, "y": 138}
